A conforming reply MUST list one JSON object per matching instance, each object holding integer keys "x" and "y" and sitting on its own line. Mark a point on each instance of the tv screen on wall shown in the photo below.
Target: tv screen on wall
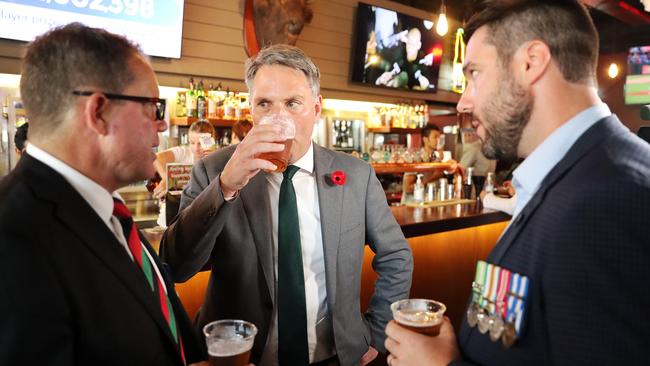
{"x": 156, "y": 26}
{"x": 637, "y": 81}
{"x": 395, "y": 50}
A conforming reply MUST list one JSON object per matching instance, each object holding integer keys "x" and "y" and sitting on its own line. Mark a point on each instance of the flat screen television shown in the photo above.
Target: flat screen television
{"x": 155, "y": 25}
{"x": 395, "y": 50}
{"x": 637, "y": 81}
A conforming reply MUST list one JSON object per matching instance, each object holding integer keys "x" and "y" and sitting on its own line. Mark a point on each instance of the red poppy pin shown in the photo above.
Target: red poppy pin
{"x": 338, "y": 177}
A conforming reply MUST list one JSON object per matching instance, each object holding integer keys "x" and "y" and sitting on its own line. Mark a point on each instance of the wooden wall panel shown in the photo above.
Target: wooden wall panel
{"x": 213, "y": 49}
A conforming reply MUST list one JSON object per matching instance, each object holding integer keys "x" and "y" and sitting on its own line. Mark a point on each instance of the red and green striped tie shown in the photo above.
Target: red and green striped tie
{"x": 138, "y": 251}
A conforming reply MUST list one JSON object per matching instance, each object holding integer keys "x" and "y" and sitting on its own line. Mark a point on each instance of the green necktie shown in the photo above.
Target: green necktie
{"x": 292, "y": 310}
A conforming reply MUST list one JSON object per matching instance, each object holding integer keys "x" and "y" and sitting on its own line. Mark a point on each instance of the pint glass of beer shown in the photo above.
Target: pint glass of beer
{"x": 420, "y": 315}
{"x": 229, "y": 342}
{"x": 280, "y": 158}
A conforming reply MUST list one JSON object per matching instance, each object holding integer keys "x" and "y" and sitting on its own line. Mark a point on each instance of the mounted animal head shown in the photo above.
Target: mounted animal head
{"x": 280, "y": 21}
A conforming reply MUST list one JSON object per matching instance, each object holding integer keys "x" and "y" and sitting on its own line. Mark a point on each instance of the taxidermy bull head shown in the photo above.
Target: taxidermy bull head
{"x": 275, "y": 21}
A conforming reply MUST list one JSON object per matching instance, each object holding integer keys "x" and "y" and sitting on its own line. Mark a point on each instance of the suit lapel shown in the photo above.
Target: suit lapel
{"x": 330, "y": 201}
{"x": 75, "y": 213}
{"x": 589, "y": 140}
{"x": 258, "y": 211}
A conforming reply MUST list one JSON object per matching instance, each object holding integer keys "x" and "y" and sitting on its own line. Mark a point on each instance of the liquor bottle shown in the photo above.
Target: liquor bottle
{"x": 212, "y": 102}
{"x": 190, "y": 100}
{"x": 181, "y": 108}
{"x": 201, "y": 104}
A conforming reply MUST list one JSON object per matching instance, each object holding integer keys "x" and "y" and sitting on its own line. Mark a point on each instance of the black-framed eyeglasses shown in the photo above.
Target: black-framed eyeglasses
{"x": 156, "y": 102}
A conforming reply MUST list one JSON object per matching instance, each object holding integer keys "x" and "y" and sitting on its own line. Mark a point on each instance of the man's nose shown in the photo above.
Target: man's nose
{"x": 161, "y": 125}
{"x": 279, "y": 109}
{"x": 464, "y": 104}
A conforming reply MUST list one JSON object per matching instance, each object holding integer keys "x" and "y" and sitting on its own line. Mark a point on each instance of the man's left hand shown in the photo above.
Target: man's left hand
{"x": 407, "y": 347}
{"x": 369, "y": 356}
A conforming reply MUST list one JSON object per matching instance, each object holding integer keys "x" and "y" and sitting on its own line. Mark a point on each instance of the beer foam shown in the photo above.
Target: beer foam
{"x": 417, "y": 318}
{"x": 225, "y": 348}
{"x": 287, "y": 123}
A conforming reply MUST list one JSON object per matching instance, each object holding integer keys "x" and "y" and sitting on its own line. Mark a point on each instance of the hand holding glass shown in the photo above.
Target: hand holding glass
{"x": 420, "y": 315}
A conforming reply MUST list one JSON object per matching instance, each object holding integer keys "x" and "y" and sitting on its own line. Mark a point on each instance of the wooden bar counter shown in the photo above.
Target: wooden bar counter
{"x": 446, "y": 242}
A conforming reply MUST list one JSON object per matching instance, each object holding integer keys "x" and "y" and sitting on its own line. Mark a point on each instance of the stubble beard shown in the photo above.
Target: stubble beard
{"x": 506, "y": 116}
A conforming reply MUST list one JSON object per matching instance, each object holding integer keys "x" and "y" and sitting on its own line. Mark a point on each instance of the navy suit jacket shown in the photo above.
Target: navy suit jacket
{"x": 583, "y": 242}
{"x": 70, "y": 294}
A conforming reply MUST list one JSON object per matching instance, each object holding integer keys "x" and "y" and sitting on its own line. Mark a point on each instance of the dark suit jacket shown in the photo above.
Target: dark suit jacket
{"x": 70, "y": 293}
{"x": 235, "y": 240}
{"x": 583, "y": 242}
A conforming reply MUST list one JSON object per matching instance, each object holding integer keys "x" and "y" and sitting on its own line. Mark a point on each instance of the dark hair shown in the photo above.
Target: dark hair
{"x": 68, "y": 58}
{"x": 21, "y": 136}
{"x": 563, "y": 25}
{"x": 426, "y": 131}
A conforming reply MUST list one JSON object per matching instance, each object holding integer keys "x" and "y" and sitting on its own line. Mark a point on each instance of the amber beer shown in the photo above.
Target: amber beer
{"x": 280, "y": 158}
{"x": 229, "y": 342}
{"x": 236, "y": 355}
{"x": 420, "y": 315}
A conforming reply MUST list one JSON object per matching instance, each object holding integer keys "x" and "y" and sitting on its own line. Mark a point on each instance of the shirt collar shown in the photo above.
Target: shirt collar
{"x": 97, "y": 197}
{"x": 532, "y": 171}
{"x": 306, "y": 162}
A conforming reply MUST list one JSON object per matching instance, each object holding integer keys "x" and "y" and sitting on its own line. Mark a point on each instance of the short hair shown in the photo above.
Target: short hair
{"x": 426, "y": 131}
{"x": 285, "y": 55}
{"x": 203, "y": 126}
{"x": 241, "y": 128}
{"x": 70, "y": 57}
{"x": 20, "y": 138}
{"x": 563, "y": 25}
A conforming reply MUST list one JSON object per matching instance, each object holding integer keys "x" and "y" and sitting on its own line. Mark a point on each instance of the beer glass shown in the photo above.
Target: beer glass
{"x": 420, "y": 315}
{"x": 229, "y": 342}
{"x": 280, "y": 158}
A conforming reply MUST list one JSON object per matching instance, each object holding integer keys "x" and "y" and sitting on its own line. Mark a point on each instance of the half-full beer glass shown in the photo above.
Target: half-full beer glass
{"x": 280, "y": 158}
{"x": 420, "y": 315}
{"x": 229, "y": 342}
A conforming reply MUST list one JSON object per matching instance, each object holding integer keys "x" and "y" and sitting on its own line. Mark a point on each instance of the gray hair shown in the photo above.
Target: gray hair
{"x": 285, "y": 55}
{"x": 64, "y": 59}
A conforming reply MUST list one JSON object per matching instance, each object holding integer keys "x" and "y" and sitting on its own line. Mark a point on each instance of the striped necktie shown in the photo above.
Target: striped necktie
{"x": 293, "y": 349}
{"x": 140, "y": 256}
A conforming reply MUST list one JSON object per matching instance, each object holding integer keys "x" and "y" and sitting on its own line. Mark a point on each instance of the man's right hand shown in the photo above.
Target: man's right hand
{"x": 243, "y": 164}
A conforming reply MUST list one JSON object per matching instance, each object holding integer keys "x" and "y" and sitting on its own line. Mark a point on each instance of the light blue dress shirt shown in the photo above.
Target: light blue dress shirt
{"x": 531, "y": 172}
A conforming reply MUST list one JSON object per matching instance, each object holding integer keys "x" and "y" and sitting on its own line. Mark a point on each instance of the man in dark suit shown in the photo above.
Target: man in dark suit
{"x": 577, "y": 249}
{"x": 79, "y": 285}
{"x": 234, "y": 220}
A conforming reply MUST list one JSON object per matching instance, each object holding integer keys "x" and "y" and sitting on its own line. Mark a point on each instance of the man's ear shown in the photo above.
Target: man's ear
{"x": 93, "y": 110}
{"x": 318, "y": 106}
{"x": 532, "y": 61}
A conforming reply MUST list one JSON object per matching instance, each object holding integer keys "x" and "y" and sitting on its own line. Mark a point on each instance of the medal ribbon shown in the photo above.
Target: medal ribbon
{"x": 479, "y": 281}
{"x": 487, "y": 288}
{"x": 504, "y": 285}
{"x": 514, "y": 287}
{"x": 521, "y": 302}
{"x": 494, "y": 281}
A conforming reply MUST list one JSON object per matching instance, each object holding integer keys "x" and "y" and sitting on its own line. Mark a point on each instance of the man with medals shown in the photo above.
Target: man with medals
{"x": 566, "y": 284}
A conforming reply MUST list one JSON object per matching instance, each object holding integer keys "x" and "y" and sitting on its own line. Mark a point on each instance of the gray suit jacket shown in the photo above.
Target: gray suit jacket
{"x": 234, "y": 239}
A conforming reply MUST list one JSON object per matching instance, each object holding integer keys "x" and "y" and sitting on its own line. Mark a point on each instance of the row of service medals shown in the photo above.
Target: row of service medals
{"x": 498, "y": 302}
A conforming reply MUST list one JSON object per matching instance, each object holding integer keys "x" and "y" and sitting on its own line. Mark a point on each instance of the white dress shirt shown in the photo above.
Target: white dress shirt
{"x": 311, "y": 241}
{"x": 99, "y": 199}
